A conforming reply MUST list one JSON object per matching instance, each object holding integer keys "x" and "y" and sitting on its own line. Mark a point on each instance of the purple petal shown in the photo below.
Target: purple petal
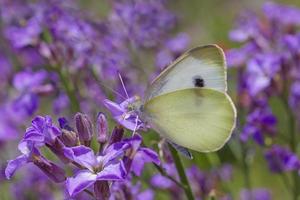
{"x": 15, "y": 164}
{"x": 114, "y": 108}
{"x": 112, "y": 172}
{"x": 144, "y": 155}
{"x": 145, "y": 195}
{"x": 82, "y": 180}
{"x": 81, "y": 155}
{"x": 131, "y": 125}
{"x": 161, "y": 182}
{"x": 113, "y": 152}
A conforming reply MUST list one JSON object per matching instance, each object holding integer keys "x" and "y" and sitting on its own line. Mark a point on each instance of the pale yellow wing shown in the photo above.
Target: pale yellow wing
{"x": 205, "y": 62}
{"x": 197, "y": 118}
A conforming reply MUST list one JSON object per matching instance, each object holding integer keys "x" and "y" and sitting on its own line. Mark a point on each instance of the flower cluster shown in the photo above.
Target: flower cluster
{"x": 267, "y": 66}
{"x": 115, "y": 159}
{"x": 55, "y": 48}
{"x": 268, "y": 69}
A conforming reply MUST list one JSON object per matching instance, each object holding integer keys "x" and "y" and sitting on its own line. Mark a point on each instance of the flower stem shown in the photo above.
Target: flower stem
{"x": 181, "y": 173}
{"x": 293, "y": 143}
{"x": 246, "y": 168}
{"x": 69, "y": 88}
{"x": 164, "y": 173}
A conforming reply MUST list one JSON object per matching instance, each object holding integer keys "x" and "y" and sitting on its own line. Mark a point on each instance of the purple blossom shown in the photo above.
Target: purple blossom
{"x": 106, "y": 167}
{"x": 126, "y": 113}
{"x": 274, "y": 12}
{"x": 41, "y": 132}
{"x": 31, "y": 154}
{"x": 259, "y": 124}
{"x": 137, "y": 156}
{"x": 294, "y": 98}
{"x": 255, "y": 194}
{"x": 33, "y": 184}
{"x": 261, "y": 70}
{"x": 281, "y": 159}
{"x": 27, "y": 80}
{"x": 147, "y": 22}
{"x": 126, "y": 190}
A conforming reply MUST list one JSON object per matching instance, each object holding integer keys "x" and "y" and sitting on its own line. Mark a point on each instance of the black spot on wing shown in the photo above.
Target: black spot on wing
{"x": 198, "y": 81}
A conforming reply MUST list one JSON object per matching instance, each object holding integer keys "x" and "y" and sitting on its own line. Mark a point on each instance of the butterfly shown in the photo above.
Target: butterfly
{"x": 187, "y": 103}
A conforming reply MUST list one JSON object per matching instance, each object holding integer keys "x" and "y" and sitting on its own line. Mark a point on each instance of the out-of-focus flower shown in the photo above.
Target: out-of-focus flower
{"x": 255, "y": 194}
{"x": 33, "y": 185}
{"x": 260, "y": 123}
{"x": 202, "y": 182}
{"x": 146, "y": 22}
{"x": 274, "y": 13}
{"x": 126, "y": 190}
{"x": 281, "y": 159}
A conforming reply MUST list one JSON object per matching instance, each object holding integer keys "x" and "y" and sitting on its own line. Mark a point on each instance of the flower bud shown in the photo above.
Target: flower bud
{"x": 101, "y": 128}
{"x": 54, "y": 172}
{"x": 69, "y": 137}
{"x": 116, "y": 135}
{"x": 84, "y": 128}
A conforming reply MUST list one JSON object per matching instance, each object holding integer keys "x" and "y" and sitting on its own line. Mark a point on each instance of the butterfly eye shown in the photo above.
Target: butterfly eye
{"x": 198, "y": 81}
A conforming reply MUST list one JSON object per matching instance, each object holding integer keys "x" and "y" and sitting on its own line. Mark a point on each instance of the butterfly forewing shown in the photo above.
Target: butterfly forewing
{"x": 199, "y": 67}
{"x": 197, "y": 118}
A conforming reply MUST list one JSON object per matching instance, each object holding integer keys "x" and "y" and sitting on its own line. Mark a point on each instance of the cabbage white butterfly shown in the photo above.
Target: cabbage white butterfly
{"x": 188, "y": 104}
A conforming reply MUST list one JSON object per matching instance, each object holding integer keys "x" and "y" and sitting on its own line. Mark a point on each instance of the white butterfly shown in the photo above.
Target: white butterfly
{"x": 188, "y": 104}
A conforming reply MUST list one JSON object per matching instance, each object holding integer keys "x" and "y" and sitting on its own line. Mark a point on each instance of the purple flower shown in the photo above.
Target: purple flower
{"x": 106, "y": 167}
{"x": 255, "y": 194}
{"x": 22, "y": 36}
{"x": 281, "y": 159}
{"x": 41, "y": 132}
{"x": 259, "y": 123}
{"x": 261, "y": 70}
{"x": 247, "y": 27}
{"x": 31, "y": 154}
{"x": 147, "y": 21}
{"x": 126, "y": 190}
{"x": 137, "y": 156}
{"x": 274, "y": 12}
{"x": 33, "y": 184}
{"x": 126, "y": 113}
{"x": 27, "y": 80}
{"x": 173, "y": 48}
{"x": 294, "y": 99}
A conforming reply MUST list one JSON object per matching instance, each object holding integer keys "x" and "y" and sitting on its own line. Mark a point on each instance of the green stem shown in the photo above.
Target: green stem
{"x": 164, "y": 173}
{"x": 181, "y": 173}
{"x": 293, "y": 143}
{"x": 246, "y": 168}
{"x": 69, "y": 88}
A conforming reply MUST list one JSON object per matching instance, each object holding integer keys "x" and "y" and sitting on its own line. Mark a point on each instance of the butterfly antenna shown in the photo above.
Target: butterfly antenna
{"x": 123, "y": 85}
{"x": 136, "y": 125}
{"x": 112, "y": 90}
